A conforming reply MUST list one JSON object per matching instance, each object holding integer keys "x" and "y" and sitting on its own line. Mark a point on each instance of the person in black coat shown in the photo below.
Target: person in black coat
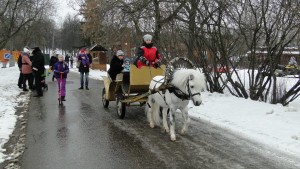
{"x": 67, "y": 59}
{"x": 20, "y": 81}
{"x": 116, "y": 65}
{"x": 71, "y": 61}
{"x": 53, "y": 60}
{"x": 38, "y": 69}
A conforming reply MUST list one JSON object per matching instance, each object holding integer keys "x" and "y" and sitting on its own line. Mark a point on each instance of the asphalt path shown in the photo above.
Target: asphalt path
{"x": 82, "y": 134}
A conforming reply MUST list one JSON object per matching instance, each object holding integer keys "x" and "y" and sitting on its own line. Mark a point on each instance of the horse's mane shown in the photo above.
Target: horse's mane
{"x": 179, "y": 78}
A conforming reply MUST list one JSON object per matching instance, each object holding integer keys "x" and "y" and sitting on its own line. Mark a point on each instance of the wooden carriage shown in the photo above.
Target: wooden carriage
{"x": 129, "y": 87}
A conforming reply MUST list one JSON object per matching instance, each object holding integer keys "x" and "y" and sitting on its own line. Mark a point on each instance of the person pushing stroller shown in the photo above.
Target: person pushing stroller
{"x": 61, "y": 70}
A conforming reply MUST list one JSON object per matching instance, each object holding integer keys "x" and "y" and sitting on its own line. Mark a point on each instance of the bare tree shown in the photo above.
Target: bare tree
{"x": 16, "y": 14}
{"x": 134, "y": 17}
{"x": 216, "y": 33}
{"x": 271, "y": 25}
{"x": 71, "y": 34}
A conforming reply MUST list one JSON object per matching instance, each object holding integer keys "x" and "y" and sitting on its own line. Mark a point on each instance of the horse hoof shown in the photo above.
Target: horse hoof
{"x": 151, "y": 125}
{"x": 173, "y": 138}
{"x": 183, "y": 132}
{"x": 163, "y": 130}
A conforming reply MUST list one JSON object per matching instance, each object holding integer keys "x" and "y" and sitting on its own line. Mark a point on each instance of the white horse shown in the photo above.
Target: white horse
{"x": 186, "y": 85}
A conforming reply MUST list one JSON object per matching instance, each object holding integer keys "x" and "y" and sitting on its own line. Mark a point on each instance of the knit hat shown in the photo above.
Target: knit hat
{"x": 119, "y": 53}
{"x": 82, "y": 50}
{"x": 35, "y": 50}
{"x": 26, "y": 50}
{"x": 126, "y": 60}
{"x": 147, "y": 37}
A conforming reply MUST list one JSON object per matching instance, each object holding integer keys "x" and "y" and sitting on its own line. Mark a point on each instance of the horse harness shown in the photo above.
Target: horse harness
{"x": 180, "y": 94}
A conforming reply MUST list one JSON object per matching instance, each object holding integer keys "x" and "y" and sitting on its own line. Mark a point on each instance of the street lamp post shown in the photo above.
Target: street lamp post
{"x": 53, "y": 40}
{"x": 126, "y": 48}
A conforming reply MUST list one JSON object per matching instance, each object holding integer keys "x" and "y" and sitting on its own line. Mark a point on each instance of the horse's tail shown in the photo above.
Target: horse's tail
{"x": 156, "y": 113}
{"x": 152, "y": 111}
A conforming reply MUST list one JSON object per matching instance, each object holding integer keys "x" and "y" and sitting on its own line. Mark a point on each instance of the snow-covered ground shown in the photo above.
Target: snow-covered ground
{"x": 273, "y": 125}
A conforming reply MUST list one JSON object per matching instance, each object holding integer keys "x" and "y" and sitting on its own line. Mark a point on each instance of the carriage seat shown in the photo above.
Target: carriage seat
{"x": 139, "y": 79}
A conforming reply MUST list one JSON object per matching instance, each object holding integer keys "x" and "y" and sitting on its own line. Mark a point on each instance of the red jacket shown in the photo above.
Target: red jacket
{"x": 149, "y": 53}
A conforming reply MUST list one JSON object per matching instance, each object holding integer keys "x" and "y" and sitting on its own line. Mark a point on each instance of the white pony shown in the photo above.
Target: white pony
{"x": 186, "y": 85}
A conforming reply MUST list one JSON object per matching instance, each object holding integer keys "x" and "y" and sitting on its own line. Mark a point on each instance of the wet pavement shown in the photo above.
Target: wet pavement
{"x": 81, "y": 134}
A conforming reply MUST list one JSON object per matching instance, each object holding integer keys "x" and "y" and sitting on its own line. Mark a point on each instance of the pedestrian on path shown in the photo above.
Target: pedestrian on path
{"x": 67, "y": 59}
{"x": 53, "y": 60}
{"x": 38, "y": 69}
{"x": 61, "y": 67}
{"x": 85, "y": 60}
{"x": 20, "y": 80}
{"x": 26, "y": 70}
{"x": 71, "y": 61}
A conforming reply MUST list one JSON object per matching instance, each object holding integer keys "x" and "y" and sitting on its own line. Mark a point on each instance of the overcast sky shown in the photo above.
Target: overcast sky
{"x": 62, "y": 10}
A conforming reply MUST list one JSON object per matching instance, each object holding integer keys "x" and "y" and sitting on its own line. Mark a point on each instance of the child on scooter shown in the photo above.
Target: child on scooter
{"x": 61, "y": 70}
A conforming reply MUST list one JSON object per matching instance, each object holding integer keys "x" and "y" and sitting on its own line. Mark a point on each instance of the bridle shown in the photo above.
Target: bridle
{"x": 189, "y": 90}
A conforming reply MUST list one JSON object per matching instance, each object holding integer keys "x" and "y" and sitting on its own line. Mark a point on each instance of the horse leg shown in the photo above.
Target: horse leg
{"x": 186, "y": 120}
{"x": 172, "y": 124}
{"x": 165, "y": 123}
{"x": 149, "y": 112}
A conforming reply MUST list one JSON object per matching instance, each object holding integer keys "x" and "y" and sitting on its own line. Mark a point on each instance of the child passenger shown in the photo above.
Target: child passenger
{"x": 61, "y": 70}
{"x": 126, "y": 65}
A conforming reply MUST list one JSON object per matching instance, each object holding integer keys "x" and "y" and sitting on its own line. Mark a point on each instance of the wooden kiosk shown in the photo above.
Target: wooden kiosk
{"x": 98, "y": 53}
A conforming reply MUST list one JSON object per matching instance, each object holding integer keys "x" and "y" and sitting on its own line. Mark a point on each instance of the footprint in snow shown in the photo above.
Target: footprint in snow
{"x": 296, "y": 137}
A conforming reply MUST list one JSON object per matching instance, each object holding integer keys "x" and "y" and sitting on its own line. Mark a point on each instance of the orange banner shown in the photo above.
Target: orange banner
{"x": 15, "y": 54}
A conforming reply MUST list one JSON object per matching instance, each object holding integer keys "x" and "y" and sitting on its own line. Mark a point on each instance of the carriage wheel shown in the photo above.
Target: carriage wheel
{"x": 121, "y": 107}
{"x": 104, "y": 101}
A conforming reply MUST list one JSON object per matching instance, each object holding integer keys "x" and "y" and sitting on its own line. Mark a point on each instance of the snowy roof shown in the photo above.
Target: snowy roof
{"x": 292, "y": 52}
{"x": 97, "y": 47}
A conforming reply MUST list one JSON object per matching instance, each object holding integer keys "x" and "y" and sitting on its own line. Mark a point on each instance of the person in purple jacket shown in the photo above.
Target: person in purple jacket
{"x": 85, "y": 60}
{"x": 61, "y": 68}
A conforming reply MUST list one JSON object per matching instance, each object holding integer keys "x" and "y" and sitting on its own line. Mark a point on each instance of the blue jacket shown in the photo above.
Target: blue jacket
{"x": 60, "y": 67}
